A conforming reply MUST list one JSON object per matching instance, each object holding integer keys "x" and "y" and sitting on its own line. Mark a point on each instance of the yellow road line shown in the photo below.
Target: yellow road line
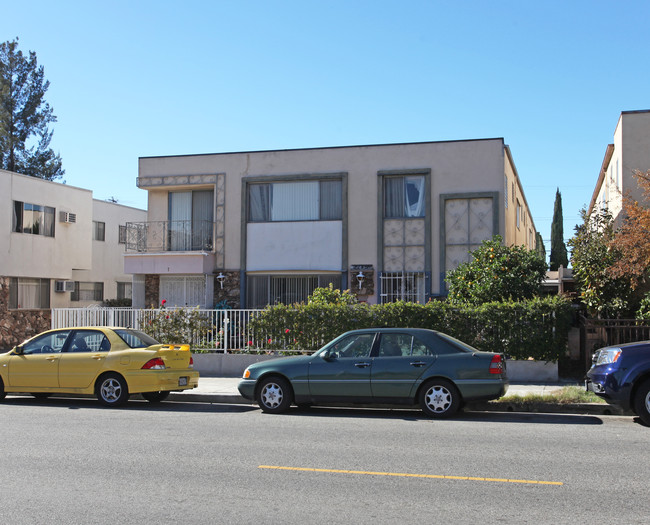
{"x": 406, "y": 475}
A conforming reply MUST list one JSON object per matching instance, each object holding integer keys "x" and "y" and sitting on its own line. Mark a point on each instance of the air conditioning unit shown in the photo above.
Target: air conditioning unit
{"x": 64, "y": 286}
{"x": 69, "y": 217}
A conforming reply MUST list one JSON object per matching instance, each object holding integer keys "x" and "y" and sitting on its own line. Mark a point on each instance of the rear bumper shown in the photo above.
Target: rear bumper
{"x": 162, "y": 380}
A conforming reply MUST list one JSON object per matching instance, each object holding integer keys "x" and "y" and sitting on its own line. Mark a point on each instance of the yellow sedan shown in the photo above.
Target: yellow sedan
{"x": 111, "y": 363}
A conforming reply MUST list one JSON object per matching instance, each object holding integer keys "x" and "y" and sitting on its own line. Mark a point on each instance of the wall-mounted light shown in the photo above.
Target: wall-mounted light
{"x": 360, "y": 278}
{"x": 221, "y": 278}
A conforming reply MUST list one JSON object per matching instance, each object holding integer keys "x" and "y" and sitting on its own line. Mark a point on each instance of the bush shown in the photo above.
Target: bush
{"x": 177, "y": 325}
{"x": 536, "y": 328}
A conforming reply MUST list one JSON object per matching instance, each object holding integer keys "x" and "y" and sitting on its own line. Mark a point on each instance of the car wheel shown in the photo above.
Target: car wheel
{"x": 274, "y": 395}
{"x": 111, "y": 390}
{"x": 155, "y": 397}
{"x": 642, "y": 402}
{"x": 439, "y": 398}
{"x": 41, "y": 395}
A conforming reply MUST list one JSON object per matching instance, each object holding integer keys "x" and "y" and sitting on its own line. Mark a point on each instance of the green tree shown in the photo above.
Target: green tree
{"x": 497, "y": 273}
{"x": 539, "y": 246}
{"x": 25, "y": 116}
{"x": 559, "y": 255}
{"x": 592, "y": 257}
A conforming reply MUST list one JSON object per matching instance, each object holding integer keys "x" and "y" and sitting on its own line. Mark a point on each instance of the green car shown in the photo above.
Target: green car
{"x": 406, "y": 366}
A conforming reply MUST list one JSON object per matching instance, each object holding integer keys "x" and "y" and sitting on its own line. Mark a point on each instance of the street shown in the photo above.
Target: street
{"x": 72, "y": 461}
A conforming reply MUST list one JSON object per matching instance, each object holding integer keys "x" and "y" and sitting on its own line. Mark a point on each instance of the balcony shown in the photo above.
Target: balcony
{"x": 170, "y": 236}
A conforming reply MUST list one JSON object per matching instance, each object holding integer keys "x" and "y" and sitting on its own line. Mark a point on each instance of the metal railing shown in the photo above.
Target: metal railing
{"x": 223, "y": 330}
{"x": 166, "y": 236}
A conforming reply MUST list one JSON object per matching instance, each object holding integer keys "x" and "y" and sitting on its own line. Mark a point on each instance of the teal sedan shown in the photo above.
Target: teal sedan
{"x": 405, "y": 366}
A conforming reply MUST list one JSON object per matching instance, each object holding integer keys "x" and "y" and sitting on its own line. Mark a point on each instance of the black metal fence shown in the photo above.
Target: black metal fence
{"x": 598, "y": 333}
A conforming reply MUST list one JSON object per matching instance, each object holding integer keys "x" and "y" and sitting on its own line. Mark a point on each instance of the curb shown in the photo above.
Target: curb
{"x": 596, "y": 409}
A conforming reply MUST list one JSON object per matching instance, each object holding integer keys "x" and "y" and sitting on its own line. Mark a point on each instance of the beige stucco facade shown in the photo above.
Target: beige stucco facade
{"x": 463, "y": 191}
{"x": 47, "y": 232}
{"x": 630, "y": 152}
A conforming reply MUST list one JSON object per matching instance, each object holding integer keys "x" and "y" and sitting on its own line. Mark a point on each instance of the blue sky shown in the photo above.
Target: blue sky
{"x": 145, "y": 78}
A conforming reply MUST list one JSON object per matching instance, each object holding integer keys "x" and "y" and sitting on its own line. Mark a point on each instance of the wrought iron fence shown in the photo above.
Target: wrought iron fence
{"x": 598, "y": 333}
{"x": 227, "y": 330}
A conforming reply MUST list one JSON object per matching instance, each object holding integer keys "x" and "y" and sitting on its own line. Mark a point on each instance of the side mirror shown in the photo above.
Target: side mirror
{"x": 18, "y": 350}
{"x": 329, "y": 356}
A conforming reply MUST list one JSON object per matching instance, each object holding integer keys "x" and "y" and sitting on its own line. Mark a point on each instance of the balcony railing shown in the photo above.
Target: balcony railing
{"x": 170, "y": 236}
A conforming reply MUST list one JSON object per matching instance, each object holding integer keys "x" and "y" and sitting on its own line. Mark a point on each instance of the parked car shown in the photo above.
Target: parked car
{"x": 111, "y": 363}
{"x": 380, "y": 366}
{"x": 621, "y": 376}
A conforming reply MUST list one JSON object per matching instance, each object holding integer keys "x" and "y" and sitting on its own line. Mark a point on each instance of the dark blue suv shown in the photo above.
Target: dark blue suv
{"x": 621, "y": 376}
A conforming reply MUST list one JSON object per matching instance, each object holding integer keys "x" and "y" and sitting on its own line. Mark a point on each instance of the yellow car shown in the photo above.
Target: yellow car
{"x": 111, "y": 363}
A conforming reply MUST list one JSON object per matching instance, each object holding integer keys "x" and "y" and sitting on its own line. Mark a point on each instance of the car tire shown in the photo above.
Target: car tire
{"x": 439, "y": 398}
{"x": 3, "y": 394}
{"x": 642, "y": 402}
{"x": 155, "y": 397}
{"x": 274, "y": 395}
{"x": 111, "y": 390}
{"x": 41, "y": 395}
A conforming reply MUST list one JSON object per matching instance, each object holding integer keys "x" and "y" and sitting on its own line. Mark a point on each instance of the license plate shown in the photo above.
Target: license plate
{"x": 182, "y": 381}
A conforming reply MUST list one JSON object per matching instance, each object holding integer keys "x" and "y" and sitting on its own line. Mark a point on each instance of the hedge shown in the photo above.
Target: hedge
{"x": 537, "y": 328}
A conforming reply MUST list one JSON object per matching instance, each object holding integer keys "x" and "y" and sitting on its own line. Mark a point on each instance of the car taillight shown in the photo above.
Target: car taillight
{"x": 191, "y": 362}
{"x": 496, "y": 365}
{"x": 154, "y": 364}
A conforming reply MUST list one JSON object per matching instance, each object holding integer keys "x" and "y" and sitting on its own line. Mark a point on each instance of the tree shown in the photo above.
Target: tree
{"x": 592, "y": 256}
{"x": 632, "y": 239}
{"x": 539, "y": 246}
{"x": 25, "y": 116}
{"x": 497, "y": 273}
{"x": 559, "y": 255}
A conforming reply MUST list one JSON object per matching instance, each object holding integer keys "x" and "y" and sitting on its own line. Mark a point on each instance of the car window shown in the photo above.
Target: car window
{"x": 51, "y": 343}
{"x": 395, "y": 345}
{"x": 357, "y": 345}
{"x": 89, "y": 341}
{"x": 419, "y": 348}
{"x": 136, "y": 339}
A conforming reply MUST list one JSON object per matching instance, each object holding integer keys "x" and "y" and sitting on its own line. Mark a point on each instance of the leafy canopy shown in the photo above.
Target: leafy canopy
{"x": 497, "y": 273}
{"x": 25, "y": 116}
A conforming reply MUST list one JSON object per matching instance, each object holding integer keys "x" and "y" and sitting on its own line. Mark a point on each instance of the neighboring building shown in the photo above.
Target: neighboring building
{"x": 387, "y": 221}
{"x": 58, "y": 248}
{"x": 630, "y": 152}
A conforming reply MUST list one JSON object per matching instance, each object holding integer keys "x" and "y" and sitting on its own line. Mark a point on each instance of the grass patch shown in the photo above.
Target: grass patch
{"x": 563, "y": 396}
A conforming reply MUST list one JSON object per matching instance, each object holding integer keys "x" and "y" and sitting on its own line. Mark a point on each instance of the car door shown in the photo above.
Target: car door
{"x": 401, "y": 360}
{"x": 83, "y": 358}
{"x": 344, "y": 374}
{"x": 37, "y": 364}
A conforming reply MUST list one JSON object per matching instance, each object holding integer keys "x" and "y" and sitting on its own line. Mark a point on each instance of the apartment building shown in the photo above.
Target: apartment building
{"x": 59, "y": 247}
{"x": 262, "y": 227}
{"x": 630, "y": 152}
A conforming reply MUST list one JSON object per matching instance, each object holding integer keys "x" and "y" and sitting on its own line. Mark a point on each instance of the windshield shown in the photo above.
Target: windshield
{"x": 136, "y": 339}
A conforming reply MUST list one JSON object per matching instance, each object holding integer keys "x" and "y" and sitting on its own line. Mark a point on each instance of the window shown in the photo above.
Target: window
{"x": 505, "y": 191}
{"x": 518, "y": 214}
{"x": 404, "y": 197}
{"x": 398, "y": 345}
{"x": 295, "y": 201}
{"x": 124, "y": 290}
{"x": 183, "y": 290}
{"x": 99, "y": 231}
{"x": 263, "y": 290}
{"x": 85, "y": 291}
{"x": 89, "y": 341}
{"x": 51, "y": 343}
{"x": 191, "y": 220}
{"x": 29, "y": 293}
{"x": 33, "y": 218}
{"x": 355, "y": 346}
{"x": 403, "y": 286}
{"x": 121, "y": 235}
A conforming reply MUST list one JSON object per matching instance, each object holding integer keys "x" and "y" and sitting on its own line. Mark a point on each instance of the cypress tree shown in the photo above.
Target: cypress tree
{"x": 558, "y": 248}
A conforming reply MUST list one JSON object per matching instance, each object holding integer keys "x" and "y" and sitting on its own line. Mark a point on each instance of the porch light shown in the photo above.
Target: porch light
{"x": 360, "y": 278}
{"x": 221, "y": 278}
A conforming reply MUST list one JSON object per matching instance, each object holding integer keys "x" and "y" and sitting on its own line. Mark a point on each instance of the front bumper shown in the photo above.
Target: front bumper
{"x": 246, "y": 388}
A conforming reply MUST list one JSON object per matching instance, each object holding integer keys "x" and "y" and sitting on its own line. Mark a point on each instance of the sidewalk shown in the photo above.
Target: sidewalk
{"x": 224, "y": 390}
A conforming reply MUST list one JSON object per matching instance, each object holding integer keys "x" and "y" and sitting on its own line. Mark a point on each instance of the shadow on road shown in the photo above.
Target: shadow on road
{"x": 76, "y": 403}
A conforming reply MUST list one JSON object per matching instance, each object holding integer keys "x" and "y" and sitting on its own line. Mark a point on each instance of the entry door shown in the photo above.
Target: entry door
{"x": 83, "y": 359}
{"x": 345, "y": 374}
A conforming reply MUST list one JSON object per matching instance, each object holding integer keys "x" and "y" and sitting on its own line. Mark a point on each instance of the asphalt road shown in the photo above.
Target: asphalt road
{"x": 72, "y": 461}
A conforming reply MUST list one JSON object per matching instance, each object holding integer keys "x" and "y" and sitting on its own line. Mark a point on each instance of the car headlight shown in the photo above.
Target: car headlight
{"x": 247, "y": 374}
{"x": 609, "y": 356}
